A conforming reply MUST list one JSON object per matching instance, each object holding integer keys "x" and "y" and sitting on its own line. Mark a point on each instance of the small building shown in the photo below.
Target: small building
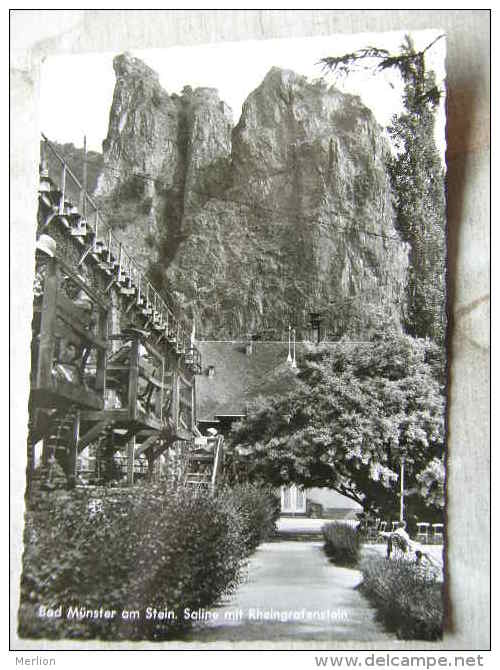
{"x": 234, "y": 374}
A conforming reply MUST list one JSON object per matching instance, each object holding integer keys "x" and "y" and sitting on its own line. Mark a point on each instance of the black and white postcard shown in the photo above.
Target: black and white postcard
{"x": 238, "y": 392}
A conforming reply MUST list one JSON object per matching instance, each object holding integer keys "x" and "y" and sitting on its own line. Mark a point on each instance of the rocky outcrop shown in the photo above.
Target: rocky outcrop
{"x": 156, "y": 146}
{"x": 254, "y": 227}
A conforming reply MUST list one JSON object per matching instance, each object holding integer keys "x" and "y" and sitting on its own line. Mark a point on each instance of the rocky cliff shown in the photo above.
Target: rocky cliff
{"x": 253, "y": 226}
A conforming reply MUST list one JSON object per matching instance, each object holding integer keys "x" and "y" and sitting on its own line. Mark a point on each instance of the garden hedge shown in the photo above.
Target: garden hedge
{"x": 408, "y": 598}
{"x": 132, "y": 549}
{"x": 342, "y": 543}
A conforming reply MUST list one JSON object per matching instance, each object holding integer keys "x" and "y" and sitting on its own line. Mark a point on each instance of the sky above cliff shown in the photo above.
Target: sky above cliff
{"x": 234, "y": 68}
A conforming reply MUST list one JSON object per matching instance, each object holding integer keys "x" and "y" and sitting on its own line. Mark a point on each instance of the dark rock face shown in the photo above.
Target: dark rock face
{"x": 252, "y": 228}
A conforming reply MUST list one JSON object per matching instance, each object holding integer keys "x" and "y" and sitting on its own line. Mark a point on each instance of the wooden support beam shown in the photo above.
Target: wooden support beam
{"x": 51, "y": 216}
{"x": 133, "y": 430}
{"x": 119, "y": 268}
{"x": 217, "y": 465}
{"x": 130, "y": 461}
{"x": 193, "y": 410}
{"x": 96, "y": 231}
{"x": 54, "y": 393}
{"x": 162, "y": 447}
{"x": 153, "y": 350}
{"x": 85, "y": 254}
{"x": 109, "y": 285}
{"x": 143, "y": 434}
{"x": 73, "y": 449}
{"x": 92, "y": 434}
{"x": 133, "y": 380}
{"x": 68, "y": 326}
{"x": 83, "y": 190}
{"x": 102, "y": 330}
{"x": 114, "y": 415}
{"x": 147, "y": 444}
{"x": 104, "y": 304}
{"x": 35, "y": 430}
{"x": 148, "y": 420}
{"x": 46, "y": 451}
{"x": 151, "y": 463}
{"x": 160, "y": 396}
{"x": 183, "y": 379}
{"x": 129, "y": 306}
{"x": 174, "y": 403}
{"x": 47, "y": 324}
{"x": 149, "y": 378}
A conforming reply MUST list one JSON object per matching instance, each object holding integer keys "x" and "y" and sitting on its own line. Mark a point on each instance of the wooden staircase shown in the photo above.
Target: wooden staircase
{"x": 204, "y": 463}
{"x": 92, "y": 299}
{"x": 100, "y": 246}
{"x": 61, "y": 439}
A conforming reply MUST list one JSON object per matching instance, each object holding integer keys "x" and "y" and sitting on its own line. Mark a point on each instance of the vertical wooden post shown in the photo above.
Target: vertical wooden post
{"x": 133, "y": 380}
{"x": 162, "y": 390}
{"x": 63, "y": 189}
{"x": 120, "y": 253}
{"x": 177, "y": 403}
{"x": 193, "y": 403}
{"x": 83, "y": 192}
{"x": 46, "y": 348}
{"x": 174, "y": 401}
{"x": 46, "y": 451}
{"x": 73, "y": 449}
{"x": 109, "y": 246}
{"x": 131, "y": 272}
{"x": 96, "y": 231}
{"x": 102, "y": 333}
{"x": 151, "y": 464}
{"x": 130, "y": 460}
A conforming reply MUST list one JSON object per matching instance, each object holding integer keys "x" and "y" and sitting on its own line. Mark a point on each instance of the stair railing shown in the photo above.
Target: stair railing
{"x": 217, "y": 463}
{"x": 101, "y": 232}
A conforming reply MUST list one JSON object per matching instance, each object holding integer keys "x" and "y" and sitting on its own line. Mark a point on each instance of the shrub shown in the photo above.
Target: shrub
{"x": 409, "y": 600}
{"x": 130, "y": 549}
{"x": 196, "y": 546}
{"x": 342, "y": 543}
{"x": 259, "y": 509}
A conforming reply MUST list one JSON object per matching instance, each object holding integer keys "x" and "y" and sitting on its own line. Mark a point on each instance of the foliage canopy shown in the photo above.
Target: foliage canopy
{"x": 359, "y": 408}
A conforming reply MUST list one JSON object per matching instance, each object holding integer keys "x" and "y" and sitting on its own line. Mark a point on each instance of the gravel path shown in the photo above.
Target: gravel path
{"x": 292, "y": 592}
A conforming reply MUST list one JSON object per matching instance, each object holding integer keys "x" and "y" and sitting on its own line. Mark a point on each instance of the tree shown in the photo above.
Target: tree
{"x": 417, "y": 179}
{"x": 358, "y": 409}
